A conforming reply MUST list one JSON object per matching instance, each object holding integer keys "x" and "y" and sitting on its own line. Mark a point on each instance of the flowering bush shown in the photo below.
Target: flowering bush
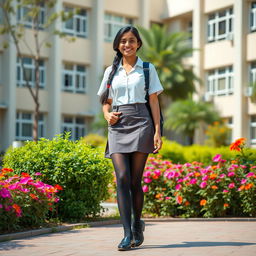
{"x": 80, "y": 169}
{"x": 24, "y": 201}
{"x": 223, "y": 188}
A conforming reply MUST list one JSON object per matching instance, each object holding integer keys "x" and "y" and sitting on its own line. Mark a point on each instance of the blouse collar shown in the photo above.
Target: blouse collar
{"x": 139, "y": 63}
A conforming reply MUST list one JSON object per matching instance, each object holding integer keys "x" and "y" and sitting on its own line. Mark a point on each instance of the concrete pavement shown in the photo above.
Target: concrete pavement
{"x": 174, "y": 238}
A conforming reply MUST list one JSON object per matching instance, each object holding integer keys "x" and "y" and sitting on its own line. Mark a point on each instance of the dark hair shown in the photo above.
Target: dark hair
{"x": 116, "y": 61}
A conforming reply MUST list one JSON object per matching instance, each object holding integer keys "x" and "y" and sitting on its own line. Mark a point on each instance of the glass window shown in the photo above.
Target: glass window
{"x": 77, "y": 25}
{"x": 253, "y": 129}
{"x": 74, "y": 78}
{"x": 24, "y": 126}
{"x": 220, "y": 81}
{"x": 29, "y": 72}
{"x": 75, "y": 125}
{"x": 113, "y": 23}
{"x": 253, "y": 16}
{"x": 220, "y": 25}
{"x": 24, "y": 17}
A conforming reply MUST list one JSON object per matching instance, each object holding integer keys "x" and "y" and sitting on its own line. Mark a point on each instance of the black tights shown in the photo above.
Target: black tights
{"x": 129, "y": 168}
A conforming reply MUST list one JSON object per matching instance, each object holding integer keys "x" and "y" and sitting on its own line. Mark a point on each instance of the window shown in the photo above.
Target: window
{"x": 220, "y": 25}
{"x": 24, "y": 18}
{"x": 24, "y": 126}
{"x": 75, "y": 125}
{"x": 112, "y": 24}
{"x": 220, "y": 81}
{"x": 253, "y": 129}
{"x": 29, "y": 65}
{"x": 253, "y": 16}
{"x": 253, "y": 72}
{"x": 74, "y": 78}
{"x": 78, "y": 24}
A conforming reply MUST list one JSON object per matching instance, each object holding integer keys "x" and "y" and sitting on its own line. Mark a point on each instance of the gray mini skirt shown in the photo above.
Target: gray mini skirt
{"x": 134, "y": 131}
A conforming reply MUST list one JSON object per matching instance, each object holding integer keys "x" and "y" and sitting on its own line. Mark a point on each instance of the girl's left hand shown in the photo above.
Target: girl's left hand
{"x": 157, "y": 142}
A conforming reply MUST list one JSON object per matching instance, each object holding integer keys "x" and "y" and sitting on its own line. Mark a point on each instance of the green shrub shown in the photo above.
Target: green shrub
{"x": 172, "y": 151}
{"x": 94, "y": 140}
{"x": 79, "y": 168}
{"x": 182, "y": 154}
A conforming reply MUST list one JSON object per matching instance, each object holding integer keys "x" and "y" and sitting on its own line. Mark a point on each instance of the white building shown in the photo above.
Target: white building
{"x": 223, "y": 30}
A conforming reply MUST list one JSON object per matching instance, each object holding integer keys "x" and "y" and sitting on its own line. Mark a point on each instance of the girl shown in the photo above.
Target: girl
{"x": 132, "y": 134}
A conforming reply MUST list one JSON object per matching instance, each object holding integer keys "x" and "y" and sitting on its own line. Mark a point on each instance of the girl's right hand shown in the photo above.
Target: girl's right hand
{"x": 112, "y": 117}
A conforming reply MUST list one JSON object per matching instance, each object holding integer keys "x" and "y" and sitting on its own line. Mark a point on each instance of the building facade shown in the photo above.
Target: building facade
{"x": 222, "y": 31}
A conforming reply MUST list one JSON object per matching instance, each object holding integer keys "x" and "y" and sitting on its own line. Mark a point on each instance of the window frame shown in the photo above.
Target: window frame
{"x": 213, "y": 81}
{"x": 21, "y": 13}
{"x": 75, "y": 74}
{"x": 112, "y": 25}
{"x": 76, "y": 129}
{"x": 252, "y": 15}
{"x": 213, "y": 25}
{"x": 252, "y": 126}
{"x": 83, "y": 19}
{"x": 20, "y": 121}
{"x": 20, "y": 82}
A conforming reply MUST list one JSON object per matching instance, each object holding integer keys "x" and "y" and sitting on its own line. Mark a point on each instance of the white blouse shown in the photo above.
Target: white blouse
{"x": 130, "y": 88}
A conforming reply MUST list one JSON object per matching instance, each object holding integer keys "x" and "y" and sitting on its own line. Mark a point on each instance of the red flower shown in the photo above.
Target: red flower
{"x": 238, "y": 144}
{"x": 58, "y": 187}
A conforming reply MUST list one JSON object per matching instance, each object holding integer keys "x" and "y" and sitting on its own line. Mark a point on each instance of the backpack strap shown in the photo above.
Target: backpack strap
{"x": 146, "y": 75}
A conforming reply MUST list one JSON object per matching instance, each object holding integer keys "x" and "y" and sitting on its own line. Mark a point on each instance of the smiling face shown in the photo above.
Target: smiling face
{"x": 128, "y": 44}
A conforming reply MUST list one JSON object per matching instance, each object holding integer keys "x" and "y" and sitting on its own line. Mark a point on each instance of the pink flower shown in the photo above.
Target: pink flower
{"x": 187, "y": 164}
{"x": 171, "y": 175}
{"x": 203, "y": 184}
{"x": 167, "y": 197}
{"x": 225, "y": 191}
{"x": 205, "y": 178}
{"x": 38, "y": 173}
{"x": 222, "y": 175}
{"x": 243, "y": 181}
{"x": 147, "y": 180}
{"x": 193, "y": 181}
{"x": 145, "y": 188}
{"x": 1, "y": 206}
{"x": 25, "y": 180}
{"x": 180, "y": 180}
{"x": 231, "y": 174}
{"x": 216, "y": 158}
{"x": 157, "y": 172}
{"x": 147, "y": 174}
{"x": 56, "y": 200}
{"x": 5, "y": 193}
{"x": 250, "y": 174}
{"x": 178, "y": 187}
{"x": 231, "y": 185}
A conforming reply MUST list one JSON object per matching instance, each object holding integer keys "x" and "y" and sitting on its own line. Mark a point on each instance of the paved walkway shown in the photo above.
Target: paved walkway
{"x": 192, "y": 238}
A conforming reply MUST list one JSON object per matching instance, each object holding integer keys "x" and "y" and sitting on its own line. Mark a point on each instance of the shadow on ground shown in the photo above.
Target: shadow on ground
{"x": 197, "y": 244}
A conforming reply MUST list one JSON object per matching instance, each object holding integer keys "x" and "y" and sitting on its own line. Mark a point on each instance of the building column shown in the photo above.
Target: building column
{"x": 9, "y": 58}
{"x": 97, "y": 54}
{"x": 54, "y": 80}
{"x": 199, "y": 27}
{"x": 144, "y": 20}
{"x": 240, "y": 107}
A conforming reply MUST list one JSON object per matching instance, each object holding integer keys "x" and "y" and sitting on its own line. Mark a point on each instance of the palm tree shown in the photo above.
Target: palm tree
{"x": 167, "y": 51}
{"x": 185, "y": 116}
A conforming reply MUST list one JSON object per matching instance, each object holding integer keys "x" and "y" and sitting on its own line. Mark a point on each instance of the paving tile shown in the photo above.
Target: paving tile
{"x": 187, "y": 238}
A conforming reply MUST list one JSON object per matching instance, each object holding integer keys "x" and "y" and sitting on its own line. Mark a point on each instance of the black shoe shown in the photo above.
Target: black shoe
{"x": 137, "y": 232}
{"x": 126, "y": 243}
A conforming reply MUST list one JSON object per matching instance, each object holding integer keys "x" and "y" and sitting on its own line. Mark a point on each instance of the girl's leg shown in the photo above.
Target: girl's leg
{"x": 121, "y": 162}
{"x": 137, "y": 162}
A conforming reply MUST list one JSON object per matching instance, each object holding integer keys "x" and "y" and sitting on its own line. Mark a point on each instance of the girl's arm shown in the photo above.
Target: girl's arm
{"x": 155, "y": 110}
{"x": 111, "y": 117}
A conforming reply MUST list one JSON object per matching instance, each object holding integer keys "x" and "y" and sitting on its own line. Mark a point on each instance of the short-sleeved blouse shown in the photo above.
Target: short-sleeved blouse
{"x": 130, "y": 88}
